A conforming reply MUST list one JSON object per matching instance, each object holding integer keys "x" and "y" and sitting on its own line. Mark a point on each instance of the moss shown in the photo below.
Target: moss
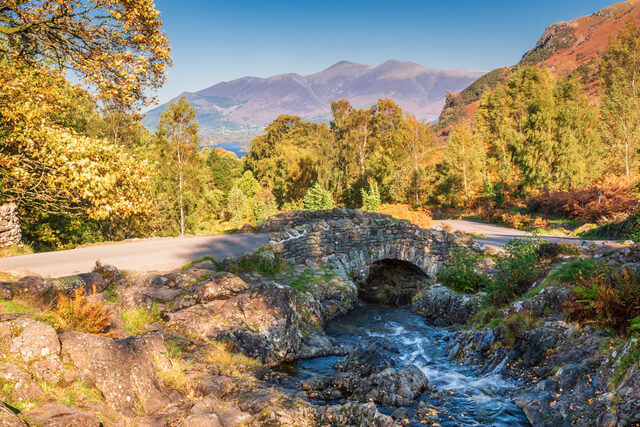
{"x": 626, "y": 362}
{"x": 204, "y": 258}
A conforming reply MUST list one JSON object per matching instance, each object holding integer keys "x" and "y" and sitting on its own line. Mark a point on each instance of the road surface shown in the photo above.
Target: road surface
{"x": 170, "y": 253}
{"x": 498, "y": 236}
{"x": 164, "y": 254}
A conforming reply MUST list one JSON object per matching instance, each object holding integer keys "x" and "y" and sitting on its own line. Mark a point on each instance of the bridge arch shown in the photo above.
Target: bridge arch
{"x": 352, "y": 241}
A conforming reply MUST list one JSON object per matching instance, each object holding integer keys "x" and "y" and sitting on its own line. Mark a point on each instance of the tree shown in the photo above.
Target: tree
{"x": 237, "y": 205}
{"x": 619, "y": 74}
{"x": 464, "y": 163}
{"x": 225, "y": 167}
{"x": 116, "y": 45}
{"x": 371, "y": 198}
{"x": 317, "y": 198}
{"x": 179, "y": 127}
{"x": 54, "y": 171}
{"x": 248, "y": 184}
{"x": 418, "y": 141}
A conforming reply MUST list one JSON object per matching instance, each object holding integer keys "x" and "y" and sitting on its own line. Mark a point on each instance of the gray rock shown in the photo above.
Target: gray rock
{"x": 444, "y": 307}
{"x": 393, "y": 387}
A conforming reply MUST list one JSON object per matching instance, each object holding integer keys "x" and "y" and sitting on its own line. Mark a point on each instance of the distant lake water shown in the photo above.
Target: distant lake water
{"x": 234, "y": 147}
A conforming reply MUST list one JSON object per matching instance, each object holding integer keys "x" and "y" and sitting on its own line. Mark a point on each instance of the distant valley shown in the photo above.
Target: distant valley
{"x": 231, "y": 113}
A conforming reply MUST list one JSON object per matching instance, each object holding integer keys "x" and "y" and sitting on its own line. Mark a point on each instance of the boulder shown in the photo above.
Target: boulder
{"x": 444, "y": 307}
{"x": 32, "y": 285}
{"x": 202, "y": 420}
{"x": 58, "y": 415}
{"x": 393, "y": 387}
{"x": 23, "y": 386}
{"x": 368, "y": 360}
{"x": 352, "y": 414}
{"x": 628, "y": 410}
{"x": 125, "y": 371}
{"x": 261, "y": 322}
{"x": 5, "y": 291}
{"x": 9, "y": 419}
{"x": 34, "y": 343}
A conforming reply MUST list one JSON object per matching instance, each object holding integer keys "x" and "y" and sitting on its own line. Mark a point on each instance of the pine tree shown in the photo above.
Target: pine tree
{"x": 371, "y": 198}
{"x": 317, "y": 198}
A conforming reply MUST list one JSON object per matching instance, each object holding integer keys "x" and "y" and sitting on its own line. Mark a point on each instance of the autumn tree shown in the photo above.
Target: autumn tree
{"x": 418, "y": 141}
{"x": 463, "y": 163}
{"x": 620, "y": 74}
{"x": 178, "y": 126}
{"x": 117, "y": 46}
{"x": 54, "y": 171}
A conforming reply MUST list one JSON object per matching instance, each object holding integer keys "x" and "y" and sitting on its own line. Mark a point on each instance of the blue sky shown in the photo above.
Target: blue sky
{"x": 216, "y": 41}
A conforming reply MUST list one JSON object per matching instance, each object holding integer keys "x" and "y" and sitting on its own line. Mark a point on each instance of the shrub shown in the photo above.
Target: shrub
{"x": 516, "y": 270}
{"x": 78, "y": 313}
{"x": 587, "y": 204}
{"x": 317, "y": 198}
{"x": 515, "y": 324}
{"x": 460, "y": 274}
{"x": 551, "y": 250}
{"x": 611, "y": 300}
{"x": 371, "y": 199}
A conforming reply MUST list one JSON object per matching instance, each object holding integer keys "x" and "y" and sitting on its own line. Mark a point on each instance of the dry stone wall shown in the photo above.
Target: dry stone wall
{"x": 351, "y": 240}
{"x": 9, "y": 225}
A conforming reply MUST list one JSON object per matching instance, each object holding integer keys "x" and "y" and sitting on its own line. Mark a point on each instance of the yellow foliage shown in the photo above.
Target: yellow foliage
{"x": 421, "y": 218}
{"x": 79, "y": 314}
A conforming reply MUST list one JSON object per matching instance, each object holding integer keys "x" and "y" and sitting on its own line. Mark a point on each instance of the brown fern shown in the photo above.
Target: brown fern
{"x": 78, "y": 313}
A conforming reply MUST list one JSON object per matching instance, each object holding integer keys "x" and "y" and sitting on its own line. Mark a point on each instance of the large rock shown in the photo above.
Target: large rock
{"x": 443, "y": 307}
{"x": 34, "y": 343}
{"x": 9, "y": 419}
{"x": 125, "y": 371}
{"x": 368, "y": 360}
{"x": 352, "y": 414}
{"x": 58, "y": 415}
{"x": 393, "y": 387}
{"x": 23, "y": 386}
{"x": 628, "y": 410}
{"x": 261, "y": 322}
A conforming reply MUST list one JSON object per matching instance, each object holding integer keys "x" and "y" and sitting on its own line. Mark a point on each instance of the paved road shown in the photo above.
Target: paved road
{"x": 497, "y": 236}
{"x": 168, "y": 254}
{"x": 164, "y": 254}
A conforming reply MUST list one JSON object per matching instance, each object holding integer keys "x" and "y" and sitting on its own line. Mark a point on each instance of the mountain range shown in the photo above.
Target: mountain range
{"x": 252, "y": 102}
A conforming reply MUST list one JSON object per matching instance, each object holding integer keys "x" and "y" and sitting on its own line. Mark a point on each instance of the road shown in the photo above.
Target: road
{"x": 166, "y": 254}
{"x": 163, "y": 254}
{"x": 498, "y": 236}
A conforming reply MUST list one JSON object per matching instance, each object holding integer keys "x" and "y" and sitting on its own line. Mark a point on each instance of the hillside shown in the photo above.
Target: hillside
{"x": 564, "y": 47}
{"x": 252, "y": 102}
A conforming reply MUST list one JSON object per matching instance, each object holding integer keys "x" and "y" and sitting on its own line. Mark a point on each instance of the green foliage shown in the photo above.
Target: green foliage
{"x": 263, "y": 262}
{"x": 516, "y": 270}
{"x": 460, "y": 274}
{"x": 317, "y": 198}
{"x": 225, "y": 168}
{"x": 248, "y": 184}
{"x": 237, "y": 205}
{"x": 515, "y": 325}
{"x": 371, "y": 198}
{"x": 135, "y": 319}
{"x": 264, "y": 205}
{"x": 627, "y": 361}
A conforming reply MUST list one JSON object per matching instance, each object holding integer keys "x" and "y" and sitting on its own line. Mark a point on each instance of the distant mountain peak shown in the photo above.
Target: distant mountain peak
{"x": 251, "y": 103}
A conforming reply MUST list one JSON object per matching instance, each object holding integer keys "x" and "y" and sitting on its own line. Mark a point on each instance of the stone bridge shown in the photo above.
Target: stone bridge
{"x": 359, "y": 244}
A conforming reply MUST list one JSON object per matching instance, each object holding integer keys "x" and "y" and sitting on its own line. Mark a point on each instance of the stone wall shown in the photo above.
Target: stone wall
{"x": 351, "y": 240}
{"x": 9, "y": 226}
{"x": 293, "y": 219}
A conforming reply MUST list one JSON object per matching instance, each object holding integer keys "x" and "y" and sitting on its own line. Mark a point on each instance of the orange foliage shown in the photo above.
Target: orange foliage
{"x": 589, "y": 204}
{"x": 421, "y": 218}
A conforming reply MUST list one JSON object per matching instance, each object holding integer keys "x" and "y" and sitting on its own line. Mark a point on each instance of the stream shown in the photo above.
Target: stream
{"x": 463, "y": 398}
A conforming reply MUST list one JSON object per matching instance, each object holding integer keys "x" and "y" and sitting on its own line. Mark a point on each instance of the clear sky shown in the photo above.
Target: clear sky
{"x": 215, "y": 41}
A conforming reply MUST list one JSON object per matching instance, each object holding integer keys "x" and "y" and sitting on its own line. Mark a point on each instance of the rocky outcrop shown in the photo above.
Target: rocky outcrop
{"x": 125, "y": 371}
{"x": 10, "y": 233}
{"x": 9, "y": 419}
{"x": 353, "y": 414}
{"x": 443, "y": 306}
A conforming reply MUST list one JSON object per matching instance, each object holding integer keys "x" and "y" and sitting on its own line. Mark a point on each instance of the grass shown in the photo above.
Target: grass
{"x": 135, "y": 319}
{"x": 16, "y": 250}
{"x": 17, "y": 305}
{"x": 569, "y": 272}
{"x": 204, "y": 258}
{"x": 626, "y": 362}
{"x": 222, "y": 353}
{"x": 310, "y": 277}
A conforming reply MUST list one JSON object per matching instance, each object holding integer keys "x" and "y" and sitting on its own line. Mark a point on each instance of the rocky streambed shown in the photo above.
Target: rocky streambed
{"x": 402, "y": 363}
